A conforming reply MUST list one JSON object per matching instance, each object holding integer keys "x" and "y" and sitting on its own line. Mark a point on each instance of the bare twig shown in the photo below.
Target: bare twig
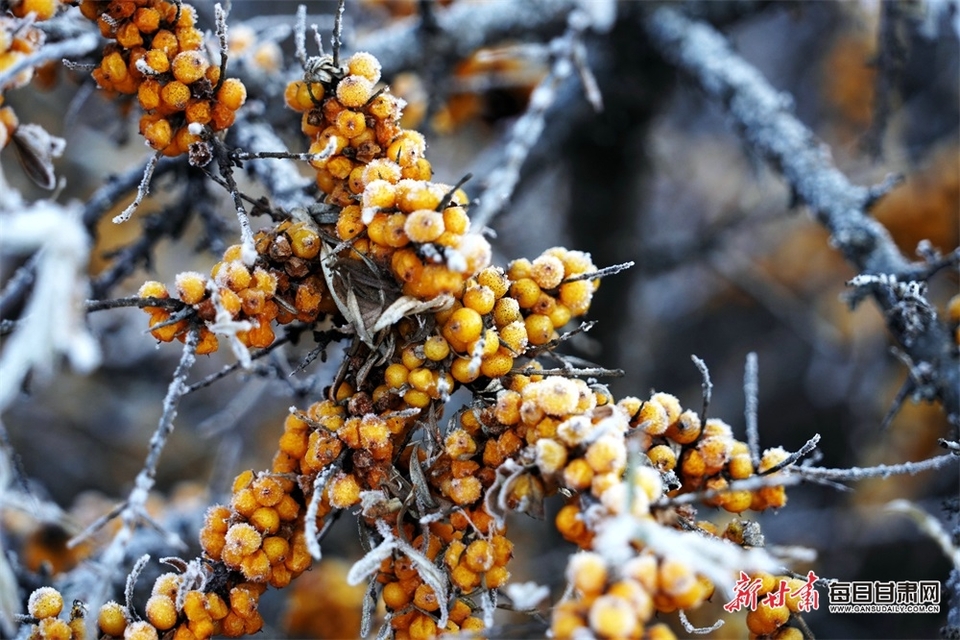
{"x": 751, "y": 378}
{"x": 601, "y": 273}
{"x": 706, "y": 386}
{"x": 879, "y": 471}
{"x": 142, "y": 190}
{"x": 808, "y": 446}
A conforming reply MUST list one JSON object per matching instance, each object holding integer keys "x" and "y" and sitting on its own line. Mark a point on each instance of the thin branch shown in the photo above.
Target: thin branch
{"x": 706, "y": 385}
{"x": 142, "y": 190}
{"x": 601, "y": 273}
{"x": 336, "y": 39}
{"x": 879, "y": 471}
{"x": 220, "y": 19}
{"x": 172, "y": 304}
{"x": 751, "y": 387}
{"x": 808, "y": 446}
{"x": 572, "y": 371}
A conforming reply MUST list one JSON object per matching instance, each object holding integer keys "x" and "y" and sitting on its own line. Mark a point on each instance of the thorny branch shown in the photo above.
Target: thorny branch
{"x": 764, "y": 118}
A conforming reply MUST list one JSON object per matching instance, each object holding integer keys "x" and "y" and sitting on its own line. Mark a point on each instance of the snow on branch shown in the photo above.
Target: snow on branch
{"x": 764, "y": 118}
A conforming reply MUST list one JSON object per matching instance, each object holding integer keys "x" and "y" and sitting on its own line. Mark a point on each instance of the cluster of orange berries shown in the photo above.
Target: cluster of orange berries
{"x": 44, "y": 607}
{"x": 158, "y": 55}
{"x": 377, "y": 172}
{"x": 283, "y": 285}
{"x": 587, "y": 453}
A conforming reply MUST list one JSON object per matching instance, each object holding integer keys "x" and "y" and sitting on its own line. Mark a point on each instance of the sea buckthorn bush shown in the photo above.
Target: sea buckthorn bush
{"x": 443, "y": 393}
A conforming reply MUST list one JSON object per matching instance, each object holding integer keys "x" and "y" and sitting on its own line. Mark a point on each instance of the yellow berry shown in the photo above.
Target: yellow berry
{"x": 161, "y": 612}
{"x": 463, "y": 327}
{"x": 189, "y": 66}
{"x": 547, "y": 271}
{"x": 354, "y": 91}
{"x": 424, "y": 225}
{"x": 436, "y": 348}
{"x": 141, "y": 630}
{"x": 587, "y": 572}
{"x": 232, "y": 94}
{"x": 366, "y": 65}
{"x": 191, "y": 287}
{"x": 539, "y": 329}
{"x": 612, "y": 616}
{"x": 765, "y": 620}
{"x": 45, "y": 602}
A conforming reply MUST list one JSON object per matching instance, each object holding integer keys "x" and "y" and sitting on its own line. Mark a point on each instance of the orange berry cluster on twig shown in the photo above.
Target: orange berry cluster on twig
{"x": 157, "y": 53}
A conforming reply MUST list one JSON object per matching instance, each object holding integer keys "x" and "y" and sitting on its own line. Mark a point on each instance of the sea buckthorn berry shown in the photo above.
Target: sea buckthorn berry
{"x": 175, "y": 95}
{"x": 463, "y": 327}
{"x": 547, "y": 271}
{"x": 460, "y": 444}
{"x": 232, "y": 94}
{"x": 480, "y": 298}
{"x": 158, "y": 133}
{"x": 381, "y": 169}
{"x": 244, "y": 538}
{"x": 304, "y": 240}
{"x": 557, "y": 396}
{"x": 652, "y": 418}
{"x": 551, "y": 456}
{"x": 765, "y": 620}
{"x": 686, "y": 429}
{"x": 455, "y": 220}
{"x": 436, "y": 348}
{"x": 497, "y": 365}
{"x": 526, "y": 292}
{"x": 344, "y": 491}
{"x": 366, "y": 65}
{"x": 354, "y": 91}
{"x": 578, "y": 474}
{"x": 45, "y": 602}
{"x": 42, "y": 9}
{"x": 189, "y": 66}
{"x": 161, "y": 612}
{"x": 740, "y": 466}
{"x": 465, "y": 490}
{"x": 425, "y": 598}
{"x": 53, "y": 629}
{"x": 424, "y": 225}
{"x": 539, "y": 329}
{"x": 350, "y": 124}
{"x": 406, "y": 149}
{"x": 495, "y": 279}
{"x": 141, "y": 630}
{"x": 662, "y": 457}
{"x": 612, "y": 616}
{"x": 771, "y": 458}
{"x": 576, "y": 296}
{"x": 191, "y": 287}
{"x": 607, "y": 454}
{"x": 587, "y": 572}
